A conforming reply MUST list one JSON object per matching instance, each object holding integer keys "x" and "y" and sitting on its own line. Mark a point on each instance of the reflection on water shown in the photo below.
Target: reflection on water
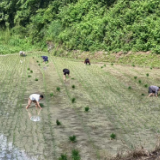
{"x": 35, "y": 118}
{"x": 10, "y": 152}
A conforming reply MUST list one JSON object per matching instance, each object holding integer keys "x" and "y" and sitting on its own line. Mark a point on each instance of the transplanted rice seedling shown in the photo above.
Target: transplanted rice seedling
{"x": 36, "y": 79}
{"x": 63, "y": 157}
{"x": 28, "y": 68}
{"x": 101, "y": 66}
{"x": 73, "y": 100}
{"x": 113, "y": 136}
{"x": 73, "y": 86}
{"x": 72, "y": 138}
{"x": 58, "y": 122}
{"x": 147, "y": 74}
{"x": 41, "y": 104}
{"x": 37, "y": 61}
{"x": 87, "y": 109}
{"x": 133, "y": 65}
{"x": 39, "y": 64}
{"x": 135, "y": 77}
{"x": 140, "y": 81}
{"x": 146, "y": 85}
{"x": 75, "y": 155}
{"x": 58, "y": 89}
{"x": 31, "y": 71}
{"x": 51, "y": 94}
{"x": 29, "y": 76}
{"x": 129, "y": 87}
{"x": 142, "y": 94}
{"x": 150, "y": 67}
{"x": 104, "y": 65}
{"x": 72, "y": 78}
{"x": 111, "y": 64}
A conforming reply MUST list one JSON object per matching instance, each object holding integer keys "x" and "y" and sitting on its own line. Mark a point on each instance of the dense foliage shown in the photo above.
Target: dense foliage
{"x": 111, "y": 25}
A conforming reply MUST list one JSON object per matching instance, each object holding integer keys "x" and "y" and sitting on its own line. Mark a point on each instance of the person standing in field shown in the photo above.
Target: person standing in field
{"x": 65, "y": 72}
{"x": 35, "y": 98}
{"x": 87, "y": 61}
{"x": 45, "y": 58}
{"x": 153, "y": 90}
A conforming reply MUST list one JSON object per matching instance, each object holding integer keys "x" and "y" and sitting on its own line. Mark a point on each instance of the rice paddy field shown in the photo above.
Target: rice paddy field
{"x": 120, "y": 116}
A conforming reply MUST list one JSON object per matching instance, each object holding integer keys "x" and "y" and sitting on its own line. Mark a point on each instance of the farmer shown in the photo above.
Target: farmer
{"x": 22, "y": 53}
{"x": 45, "y": 58}
{"x": 65, "y": 71}
{"x": 153, "y": 90}
{"x": 34, "y": 98}
{"x": 87, "y": 61}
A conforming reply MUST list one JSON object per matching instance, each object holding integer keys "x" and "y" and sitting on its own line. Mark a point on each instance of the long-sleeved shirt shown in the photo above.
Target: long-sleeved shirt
{"x": 45, "y": 58}
{"x": 154, "y": 88}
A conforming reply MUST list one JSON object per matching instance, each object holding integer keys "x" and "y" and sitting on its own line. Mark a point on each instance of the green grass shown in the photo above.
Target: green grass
{"x": 72, "y": 138}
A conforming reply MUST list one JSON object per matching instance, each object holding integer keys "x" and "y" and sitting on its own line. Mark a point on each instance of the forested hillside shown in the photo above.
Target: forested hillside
{"x": 111, "y": 25}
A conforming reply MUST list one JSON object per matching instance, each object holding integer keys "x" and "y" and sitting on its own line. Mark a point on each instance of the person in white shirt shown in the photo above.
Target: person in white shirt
{"x": 34, "y": 98}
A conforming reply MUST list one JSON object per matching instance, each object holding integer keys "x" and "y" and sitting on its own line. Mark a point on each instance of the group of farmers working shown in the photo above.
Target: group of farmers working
{"x": 35, "y": 98}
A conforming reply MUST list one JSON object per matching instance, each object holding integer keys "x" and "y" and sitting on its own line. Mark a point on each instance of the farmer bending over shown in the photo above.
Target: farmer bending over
{"x": 153, "y": 90}
{"x": 34, "y": 98}
{"x": 87, "y": 61}
{"x": 21, "y": 53}
{"x": 45, "y": 58}
{"x": 66, "y": 71}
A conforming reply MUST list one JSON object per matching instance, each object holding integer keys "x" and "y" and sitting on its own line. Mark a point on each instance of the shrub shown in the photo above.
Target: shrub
{"x": 135, "y": 77}
{"x": 73, "y": 86}
{"x": 63, "y": 157}
{"x": 87, "y": 109}
{"x": 58, "y": 122}
{"x": 73, "y": 100}
{"x": 29, "y": 76}
{"x": 113, "y": 136}
{"x": 58, "y": 89}
{"x": 75, "y": 155}
{"x": 36, "y": 79}
{"x": 72, "y": 138}
{"x": 51, "y": 94}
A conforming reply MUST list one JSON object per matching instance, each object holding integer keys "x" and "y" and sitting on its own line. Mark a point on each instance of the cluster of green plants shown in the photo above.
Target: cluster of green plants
{"x": 75, "y": 155}
{"x": 113, "y": 25}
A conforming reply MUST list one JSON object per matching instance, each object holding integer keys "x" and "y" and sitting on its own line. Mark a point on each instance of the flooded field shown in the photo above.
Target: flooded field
{"x": 117, "y": 100}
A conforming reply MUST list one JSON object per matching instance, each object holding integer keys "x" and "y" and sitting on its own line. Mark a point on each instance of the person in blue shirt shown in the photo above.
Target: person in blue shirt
{"x": 45, "y": 58}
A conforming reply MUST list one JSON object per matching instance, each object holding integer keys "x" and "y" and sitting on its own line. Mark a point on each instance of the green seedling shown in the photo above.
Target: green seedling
{"x": 140, "y": 81}
{"x": 39, "y": 64}
{"x": 73, "y": 86}
{"x": 28, "y": 68}
{"x": 58, "y": 89}
{"x": 51, "y": 94}
{"x": 104, "y": 65}
{"x": 142, "y": 94}
{"x": 111, "y": 64}
{"x": 72, "y": 78}
{"x": 41, "y": 104}
{"x": 58, "y": 122}
{"x": 75, "y": 155}
{"x": 113, "y": 136}
{"x": 36, "y": 79}
{"x": 147, "y": 74}
{"x": 63, "y": 157}
{"x": 29, "y": 76}
{"x": 129, "y": 87}
{"x": 87, "y": 109}
{"x": 31, "y": 71}
{"x": 133, "y": 65}
{"x": 101, "y": 66}
{"x": 73, "y": 100}
{"x": 151, "y": 68}
{"x": 146, "y": 85}
{"x": 135, "y": 77}
{"x": 37, "y": 61}
{"x": 72, "y": 138}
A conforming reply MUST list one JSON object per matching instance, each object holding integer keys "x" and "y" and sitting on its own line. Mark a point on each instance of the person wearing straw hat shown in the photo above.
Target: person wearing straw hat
{"x": 87, "y": 61}
{"x": 35, "y": 98}
{"x": 153, "y": 91}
